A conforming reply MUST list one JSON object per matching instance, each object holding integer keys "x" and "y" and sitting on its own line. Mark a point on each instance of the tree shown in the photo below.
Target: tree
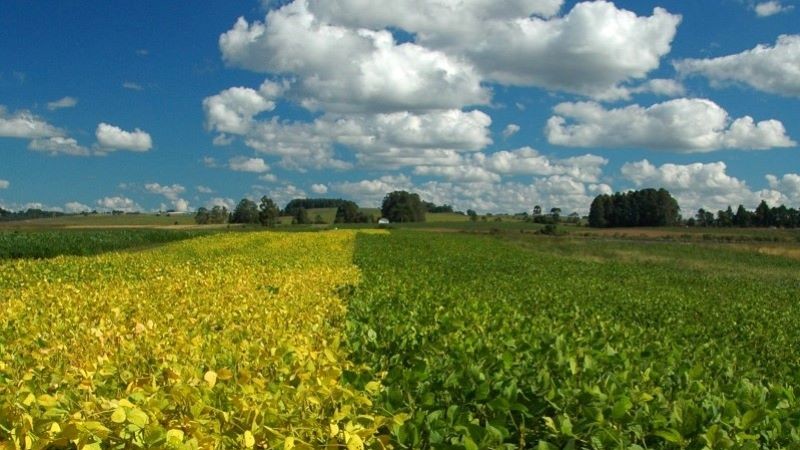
{"x": 473, "y": 216}
{"x": 555, "y": 213}
{"x": 645, "y": 208}
{"x": 268, "y": 212}
{"x": 537, "y": 210}
{"x": 742, "y": 218}
{"x": 245, "y": 212}
{"x": 202, "y": 217}
{"x": 601, "y": 206}
{"x": 402, "y": 206}
{"x": 348, "y": 212}
{"x": 301, "y": 216}
{"x": 763, "y": 215}
{"x": 218, "y": 214}
{"x": 725, "y": 218}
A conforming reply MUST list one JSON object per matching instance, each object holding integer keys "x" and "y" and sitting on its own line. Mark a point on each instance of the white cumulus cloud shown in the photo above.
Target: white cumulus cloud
{"x": 699, "y": 185}
{"x": 58, "y": 145}
{"x": 590, "y": 50}
{"x": 110, "y": 137}
{"x": 680, "y": 125}
{"x": 76, "y": 207}
{"x": 25, "y": 125}
{"x": 510, "y": 130}
{"x": 245, "y": 164}
{"x": 350, "y": 70}
{"x": 319, "y": 188}
{"x": 232, "y": 110}
{"x": 65, "y": 102}
{"x": 119, "y": 203}
{"x": 774, "y": 69}
{"x": 770, "y": 8}
{"x": 4, "y": 184}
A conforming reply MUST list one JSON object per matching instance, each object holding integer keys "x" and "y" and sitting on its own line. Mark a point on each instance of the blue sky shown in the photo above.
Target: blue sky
{"x": 496, "y": 106}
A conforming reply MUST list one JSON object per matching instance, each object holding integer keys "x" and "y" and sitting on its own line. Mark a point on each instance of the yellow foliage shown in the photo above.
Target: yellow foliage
{"x": 186, "y": 344}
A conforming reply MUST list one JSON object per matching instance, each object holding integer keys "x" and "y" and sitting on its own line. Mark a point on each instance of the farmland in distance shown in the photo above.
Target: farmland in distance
{"x": 402, "y": 339}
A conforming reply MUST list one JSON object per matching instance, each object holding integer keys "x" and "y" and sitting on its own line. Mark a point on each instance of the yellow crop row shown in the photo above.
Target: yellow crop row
{"x": 226, "y": 341}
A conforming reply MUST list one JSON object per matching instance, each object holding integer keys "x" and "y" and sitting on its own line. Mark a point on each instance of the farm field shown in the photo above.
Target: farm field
{"x": 403, "y": 339}
{"x": 103, "y": 220}
{"x": 47, "y": 243}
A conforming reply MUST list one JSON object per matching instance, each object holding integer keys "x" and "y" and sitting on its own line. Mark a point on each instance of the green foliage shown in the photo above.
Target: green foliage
{"x": 48, "y": 244}
{"x": 645, "y": 208}
{"x": 268, "y": 212}
{"x": 401, "y": 206}
{"x": 489, "y": 343}
{"x": 246, "y": 211}
{"x": 348, "y": 212}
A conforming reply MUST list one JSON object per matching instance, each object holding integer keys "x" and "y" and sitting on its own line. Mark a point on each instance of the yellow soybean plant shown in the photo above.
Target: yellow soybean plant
{"x": 225, "y": 341}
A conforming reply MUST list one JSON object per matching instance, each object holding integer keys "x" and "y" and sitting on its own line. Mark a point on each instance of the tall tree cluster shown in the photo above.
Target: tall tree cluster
{"x": 402, "y": 206}
{"x": 762, "y": 216}
{"x": 644, "y": 208}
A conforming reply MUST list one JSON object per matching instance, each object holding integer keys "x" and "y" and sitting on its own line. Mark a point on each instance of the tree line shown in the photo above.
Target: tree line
{"x": 398, "y": 206}
{"x": 762, "y": 216}
{"x": 28, "y": 214}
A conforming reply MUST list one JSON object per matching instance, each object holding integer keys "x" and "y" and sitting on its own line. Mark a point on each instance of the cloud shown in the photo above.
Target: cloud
{"x": 232, "y": 110}
{"x": 788, "y": 185}
{"x": 25, "y": 125}
{"x": 171, "y": 193}
{"x": 110, "y": 137}
{"x": 484, "y": 196}
{"x": 769, "y": 69}
{"x": 770, "y": 8}
{"x": 66, "y": 102}
{"x": 480, "y": 167}
{"x": 344, "y": 69}
{"x": 118, "y": 204}
{"x": 4, "y": 184}
{"x": 681, "y": 125}
{"x": 527, "y": 161}
{"x": 462, "y": 173}
{"x": 210, "y": 162}
{"x": 371, "y": 192}
{"x": 204, "y": 189}
{"x": 220, "y": 201}
{"x": 510, "y": 130}
{"x": 269, "y": 178}
{"x": 698, "y": 185}
{"x": 132, "y": 86}
{"x": 76, "y": 207}
{"x": 245, "y": 164}
{"x": 319, "y": 188}
{"x": 280, "y": 195}
{"x": 59, "y": 145}
{"x": 591, "y": 50}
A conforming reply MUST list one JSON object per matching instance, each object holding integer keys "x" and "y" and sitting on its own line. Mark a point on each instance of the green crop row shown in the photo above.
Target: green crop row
{"x": 489, "y": 343}
{"x": 47, "y": 244}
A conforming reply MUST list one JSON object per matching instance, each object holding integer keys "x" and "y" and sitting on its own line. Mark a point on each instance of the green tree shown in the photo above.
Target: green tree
{"x": 348, "y": 212}
{"x": 202, "y": 217}
{"x": 268, "y": 212}
{"x": 301, "y": 216}
{"x": 402, "y": 206}
{"x": 245, "y": 212}
{"x": 763, "y": 215}
{"x": 218, "y": 214}
{"x": 473, "y": 216}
